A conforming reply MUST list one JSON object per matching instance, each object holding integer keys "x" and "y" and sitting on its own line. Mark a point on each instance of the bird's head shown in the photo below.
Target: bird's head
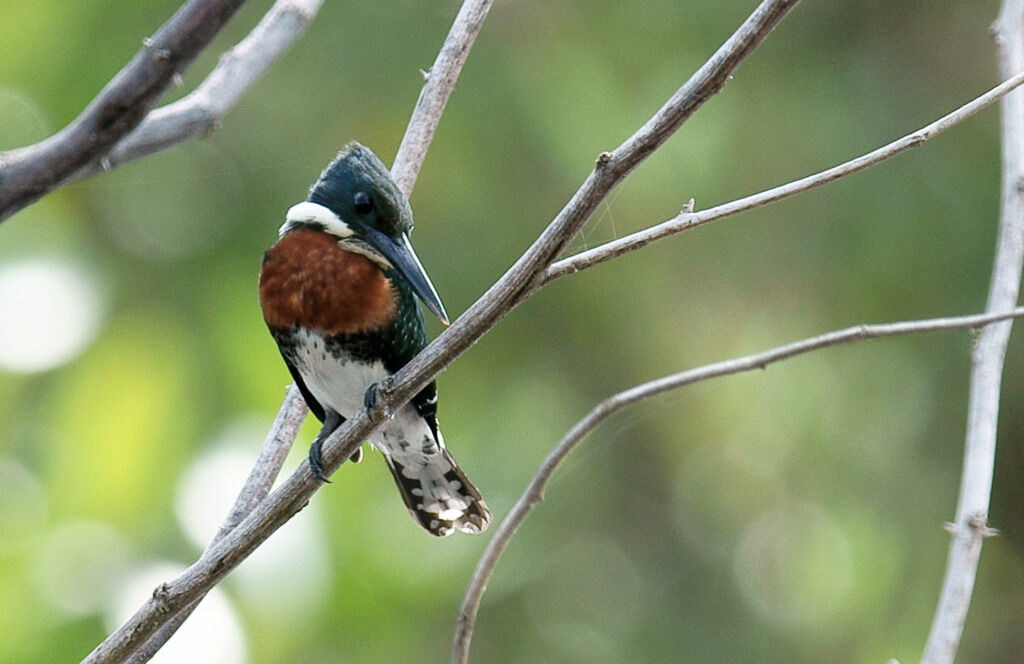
{"x": 356, "y": 200}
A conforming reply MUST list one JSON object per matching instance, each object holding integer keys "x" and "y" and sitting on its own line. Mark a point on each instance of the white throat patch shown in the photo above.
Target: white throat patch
{"x": 314, "y": 213}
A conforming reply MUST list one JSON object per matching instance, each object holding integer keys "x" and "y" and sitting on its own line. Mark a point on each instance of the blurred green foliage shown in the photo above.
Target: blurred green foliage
{"x": 792, "y": 515}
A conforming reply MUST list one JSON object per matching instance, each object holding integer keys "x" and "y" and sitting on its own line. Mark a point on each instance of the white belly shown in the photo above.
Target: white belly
{"x": 340, "y": 381}
{"x": 336, "y": 380}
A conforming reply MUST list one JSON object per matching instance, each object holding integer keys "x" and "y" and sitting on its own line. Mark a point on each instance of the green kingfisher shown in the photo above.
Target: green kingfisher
{"x": 338, "y": 291}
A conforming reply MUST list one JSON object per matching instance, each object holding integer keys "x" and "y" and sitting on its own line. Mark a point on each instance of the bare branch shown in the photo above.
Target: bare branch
{"x": 534, "y": 492}
{"x": 257, "y": 485}
{"x": 436, "y": 90}
{"x": 501, "y": 298}
{"x": 970, "y": 526}
{"x": 688, "y": 219}
{"x": 201, "y": 112}
{"x": 197, "y": 114}
{"x": 27, "y": 174}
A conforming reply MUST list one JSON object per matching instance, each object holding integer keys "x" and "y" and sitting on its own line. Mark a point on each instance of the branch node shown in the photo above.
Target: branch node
{"x": 917, "y": 139}
{"x": 158, "y": 53}
{"x": 425, "y": 73}
{"x": 688, "y": 208}
{"x": 603, "y": 159}
{"x": 160, "y": 595}
{"x": 105, "y": 163}
{"x": 979, "y": 525}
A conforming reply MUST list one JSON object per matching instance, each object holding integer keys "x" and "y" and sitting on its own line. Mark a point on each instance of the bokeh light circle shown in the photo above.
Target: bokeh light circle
{"x": 49, "y": 313}
{"x": 794, "y": 565}
{"x": 213, "y": 634}
{"x": 23, "y": 120}
{"x": 79, "y": 564}
{"x": 589, "y": 601}
{"x": 290, "y": 571}
{"x": 23, "y": 503}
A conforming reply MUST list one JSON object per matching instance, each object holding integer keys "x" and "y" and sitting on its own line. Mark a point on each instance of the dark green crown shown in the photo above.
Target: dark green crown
{"x": 357, "y": 173}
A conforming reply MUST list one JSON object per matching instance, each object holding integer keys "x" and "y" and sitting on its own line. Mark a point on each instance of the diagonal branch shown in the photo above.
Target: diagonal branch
{"x": 534, "y": 492}
{"x": 500, "y": 299}
{"x": 223, "y": 80}
{"x": 199, "y": 113}
{"x": 27, "y": 174}
{"x": 688, "y": 219}
{"x": 970, "y": 527}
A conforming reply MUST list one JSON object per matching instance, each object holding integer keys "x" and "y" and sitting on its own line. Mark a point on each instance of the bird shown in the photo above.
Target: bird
{"x": 338, "y": 291}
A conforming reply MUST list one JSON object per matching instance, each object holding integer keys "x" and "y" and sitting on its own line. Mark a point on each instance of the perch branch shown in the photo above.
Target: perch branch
{"x": 688, "y": 219}
{"x": 27, "y": 174}
{"x": 534, "y": 492}
{"x": 502, "y": 297}
{"x": 970, "y": 526}
{"x": 200, "y": 112}
{"x": 434, "y": 96}
{"x": 205, "y": 105}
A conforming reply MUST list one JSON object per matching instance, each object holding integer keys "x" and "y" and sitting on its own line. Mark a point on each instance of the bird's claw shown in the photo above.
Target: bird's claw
{"x": 315, "y": 463}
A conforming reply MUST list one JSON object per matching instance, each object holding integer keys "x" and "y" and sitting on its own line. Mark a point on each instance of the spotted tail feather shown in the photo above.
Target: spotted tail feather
{"x": 439, "y": 495}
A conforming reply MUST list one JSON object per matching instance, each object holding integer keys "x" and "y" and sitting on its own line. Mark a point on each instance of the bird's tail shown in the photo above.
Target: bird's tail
{"x": 439, "y": 495}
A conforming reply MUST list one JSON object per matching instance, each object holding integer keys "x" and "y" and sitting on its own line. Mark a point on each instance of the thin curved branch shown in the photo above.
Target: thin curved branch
{"x": 534, "y": 492}
{"x": 970, "y": 527}
{"x": 199, "y": 113}
{"x": 688, "y": 219}
{"x": 501, "y": 298}
{"x": 257, "y": 485}
{"x": 435, "y": 93}
{"x": 27, "y": 174}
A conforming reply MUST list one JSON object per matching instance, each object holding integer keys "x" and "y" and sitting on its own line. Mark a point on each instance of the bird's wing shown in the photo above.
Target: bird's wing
{"x": 314, "y": 406}
{"x": 406, "y": 336}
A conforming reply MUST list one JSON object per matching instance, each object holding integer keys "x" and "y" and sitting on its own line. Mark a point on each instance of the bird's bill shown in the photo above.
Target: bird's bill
{"x": 402, "y": 257}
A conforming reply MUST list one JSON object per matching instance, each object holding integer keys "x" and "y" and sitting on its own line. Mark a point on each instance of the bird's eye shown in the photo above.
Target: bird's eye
{"x": 363, "y": 202}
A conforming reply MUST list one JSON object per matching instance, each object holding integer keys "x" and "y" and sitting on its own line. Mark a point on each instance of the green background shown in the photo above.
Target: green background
{"x": 791, "y": 515}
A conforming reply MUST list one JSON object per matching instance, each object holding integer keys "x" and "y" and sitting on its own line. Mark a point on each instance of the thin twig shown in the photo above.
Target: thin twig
{"x": 201, "y": 112}
{"x": 27, "y": 174}
{"x": 436, "y": 90}
{"x": 257, "y": 485}
{"x": 534, "y": 492}
{"x": 688, "y": 219}
{"x": 970, "y": 527}
{"x": 501, "y": 298}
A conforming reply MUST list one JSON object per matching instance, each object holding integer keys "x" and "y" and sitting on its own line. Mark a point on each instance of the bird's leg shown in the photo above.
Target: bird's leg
{"x": 375, "y": 408}
{"x": 332, "y": 421}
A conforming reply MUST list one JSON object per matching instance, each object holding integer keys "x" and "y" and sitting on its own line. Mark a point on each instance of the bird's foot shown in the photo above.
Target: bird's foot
{"x": 315, "y": 462}
{"x": 376, "y": 408}
{"x": 331, "y": 422}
